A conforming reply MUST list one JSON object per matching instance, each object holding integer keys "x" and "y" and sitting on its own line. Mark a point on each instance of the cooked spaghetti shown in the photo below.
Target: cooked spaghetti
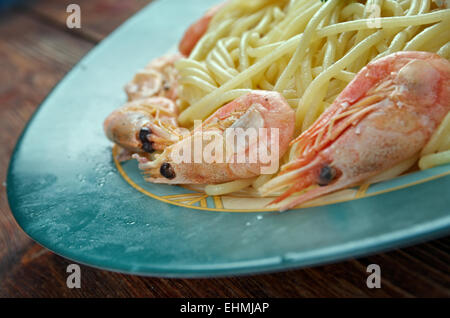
{"x": 309, "y": 51}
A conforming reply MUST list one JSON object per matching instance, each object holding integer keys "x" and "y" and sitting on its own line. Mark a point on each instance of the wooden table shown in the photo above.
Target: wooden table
{"x": 36, "y": 51}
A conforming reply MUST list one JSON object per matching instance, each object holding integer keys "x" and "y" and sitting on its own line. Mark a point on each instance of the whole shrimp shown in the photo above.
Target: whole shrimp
{"x": 384, "y": 116}
{"x": 144, "y": 126}
{"x": 258, "y": 109}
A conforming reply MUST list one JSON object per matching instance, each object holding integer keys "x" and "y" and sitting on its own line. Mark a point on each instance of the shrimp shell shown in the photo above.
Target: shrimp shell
{"x": 385, "y": 115}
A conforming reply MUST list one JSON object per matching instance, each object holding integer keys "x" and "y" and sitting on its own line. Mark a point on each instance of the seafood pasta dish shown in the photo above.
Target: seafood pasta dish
{"x": 293, "y": 99}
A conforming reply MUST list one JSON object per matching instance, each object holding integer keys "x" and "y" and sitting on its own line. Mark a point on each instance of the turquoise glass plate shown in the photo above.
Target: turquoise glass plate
{"x": 67, "y": 192}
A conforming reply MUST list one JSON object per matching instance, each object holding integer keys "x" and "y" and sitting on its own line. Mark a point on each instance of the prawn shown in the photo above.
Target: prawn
{"x": 383, "y": 117}
{"x": 257, "y": 109}
{"x": 144, "y": 126}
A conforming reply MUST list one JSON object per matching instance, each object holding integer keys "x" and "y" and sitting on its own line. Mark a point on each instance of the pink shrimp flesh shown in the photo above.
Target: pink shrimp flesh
{"x": 258, "y": 109}
{"x": 384, "y": 116}
{"x": 195, "y": 32}
{"x": 158, "y": 78}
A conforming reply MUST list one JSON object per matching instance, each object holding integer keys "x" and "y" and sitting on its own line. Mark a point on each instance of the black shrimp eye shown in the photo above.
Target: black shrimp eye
{"x": 143, "y": 134}
{"x": 326, "y": 175}
{"x": 147, "y": 145}
{"x": 167, "y": 171}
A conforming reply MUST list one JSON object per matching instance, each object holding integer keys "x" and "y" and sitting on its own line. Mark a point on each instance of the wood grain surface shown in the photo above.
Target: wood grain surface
{"x": 36, "y": 51}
